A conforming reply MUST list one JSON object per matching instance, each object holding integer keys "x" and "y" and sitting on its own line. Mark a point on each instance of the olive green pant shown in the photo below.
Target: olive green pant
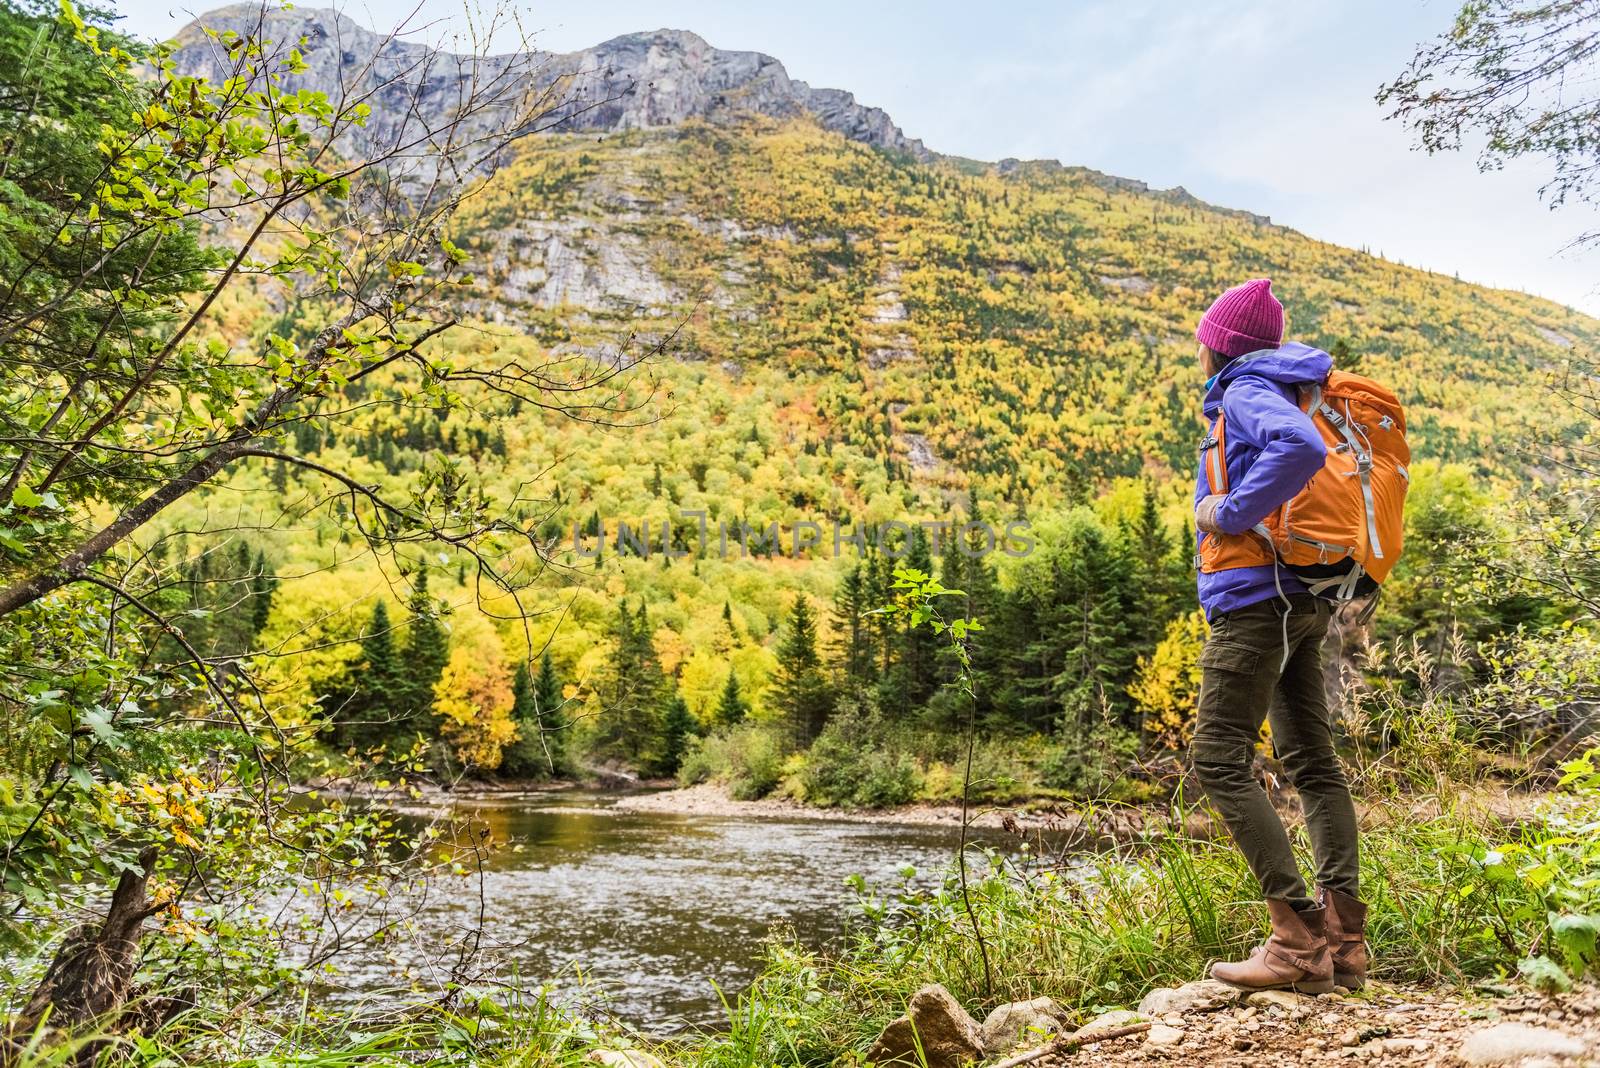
{"x": 1245, "y": 679}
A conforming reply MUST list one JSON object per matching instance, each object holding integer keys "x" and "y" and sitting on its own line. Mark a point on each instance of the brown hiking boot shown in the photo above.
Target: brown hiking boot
{"x": 1295, "y": 957}
{"x": 1347, "y": 937}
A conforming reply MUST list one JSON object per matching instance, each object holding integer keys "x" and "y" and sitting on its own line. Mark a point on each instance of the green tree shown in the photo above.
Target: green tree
{"x": 731, "y": 708}
{"x": 539, "y": 749}
{"x": 631, "y": 693}
{"x": 800, "y": 689}
{"x": 427, "y": 652}
{"x": 374, "y": 712}
{"x": 678, "y": 727}
{"x": 853, "y": 653}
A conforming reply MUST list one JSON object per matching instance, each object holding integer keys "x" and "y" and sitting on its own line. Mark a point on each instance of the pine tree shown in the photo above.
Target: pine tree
{"x": 1150, "y": 547}
{"x": 853, "y": 650}
{"x": 548, "y": 699}
{"x": 263, "y": 585}
{"x": 538, "y": 751}
{"x": 731, "y": 708}
{"x": 677, "y": 727}
{"x": 801, "y": 690}
{"x": 632, "y": 693}
{"x": 372, "y": 715}
{"x": 919, "y": 646}
{"x": 1094, "y": 625}
{"x": 427, "y": 652}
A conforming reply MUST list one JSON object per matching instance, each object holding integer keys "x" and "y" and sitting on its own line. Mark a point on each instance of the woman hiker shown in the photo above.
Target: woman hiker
{"x": 1264, "y": 655}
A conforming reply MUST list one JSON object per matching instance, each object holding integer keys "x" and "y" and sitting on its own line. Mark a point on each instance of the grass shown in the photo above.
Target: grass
{"x": 1453, "y": 898}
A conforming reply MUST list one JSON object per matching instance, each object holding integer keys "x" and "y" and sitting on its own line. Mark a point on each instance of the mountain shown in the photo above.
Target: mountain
{"x": 864, "y": 330}
{"x": 636, "y": 81}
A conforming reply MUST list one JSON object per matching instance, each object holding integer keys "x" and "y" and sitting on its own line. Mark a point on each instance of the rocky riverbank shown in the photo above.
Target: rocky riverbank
{"x": 1064, "y": 824}
{"x": 1213, "y": 1025}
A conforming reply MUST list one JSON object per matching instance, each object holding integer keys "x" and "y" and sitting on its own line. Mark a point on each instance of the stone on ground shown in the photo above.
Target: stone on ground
{"x": 1108, "y": 1021}
{"x": 1207, "y": 995}
{"x": 1510, "y": 1042}
{"x": 1287, "y": 1000}
{"x": 1019, "y": 1023}
{"x": 936, "y": 1024}
{"x": 1162, "y": 1036}
{"x": 624, "y": 1058}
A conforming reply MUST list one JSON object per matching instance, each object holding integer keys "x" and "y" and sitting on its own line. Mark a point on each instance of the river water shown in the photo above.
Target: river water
{"x": 652, "y": 913}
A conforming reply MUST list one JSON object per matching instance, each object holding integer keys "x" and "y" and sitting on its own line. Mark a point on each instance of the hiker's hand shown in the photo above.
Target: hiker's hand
{"x": 1205, "y": 513}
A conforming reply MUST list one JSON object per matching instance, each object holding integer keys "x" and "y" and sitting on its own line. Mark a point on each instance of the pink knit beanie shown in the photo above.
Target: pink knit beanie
{"x": 1244, "y": 319}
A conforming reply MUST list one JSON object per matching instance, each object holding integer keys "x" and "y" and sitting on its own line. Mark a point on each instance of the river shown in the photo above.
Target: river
{"x": 657, "y": 911}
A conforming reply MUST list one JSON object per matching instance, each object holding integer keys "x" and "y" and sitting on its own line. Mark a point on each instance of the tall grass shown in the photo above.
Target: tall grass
{"x": 1100, "y": 931}
{"x": 1454, "y": 896}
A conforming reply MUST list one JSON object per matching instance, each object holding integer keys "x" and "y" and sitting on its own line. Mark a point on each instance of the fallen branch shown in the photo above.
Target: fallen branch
{"x": 1071, "y": 1042}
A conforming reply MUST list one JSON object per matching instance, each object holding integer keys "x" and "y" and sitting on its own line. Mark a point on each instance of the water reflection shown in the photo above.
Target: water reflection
{"x": 657, "y": 908}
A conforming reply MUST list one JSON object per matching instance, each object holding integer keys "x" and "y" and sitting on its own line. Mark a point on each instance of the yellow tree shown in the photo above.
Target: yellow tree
{"x": 1167, "y": 684}
{"x": 473, "y": 697}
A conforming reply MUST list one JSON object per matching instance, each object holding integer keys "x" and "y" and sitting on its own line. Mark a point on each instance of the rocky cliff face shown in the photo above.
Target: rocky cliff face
{"x": 635, "y": 81}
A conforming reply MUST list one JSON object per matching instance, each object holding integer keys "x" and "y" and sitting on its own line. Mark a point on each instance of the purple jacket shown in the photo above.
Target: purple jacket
{"x": 1272, "y": 451}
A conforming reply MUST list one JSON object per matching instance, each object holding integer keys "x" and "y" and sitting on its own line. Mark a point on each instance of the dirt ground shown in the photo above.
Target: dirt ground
{"x": 1381, "y": 1025}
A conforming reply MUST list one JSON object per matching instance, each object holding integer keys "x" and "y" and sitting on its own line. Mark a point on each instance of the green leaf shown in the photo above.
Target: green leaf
{"x": 1545, "y": 975}
{"x": 24, "y": 497}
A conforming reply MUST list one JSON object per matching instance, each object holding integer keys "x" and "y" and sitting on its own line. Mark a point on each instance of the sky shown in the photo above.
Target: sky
{"x": 1265, "y": 105}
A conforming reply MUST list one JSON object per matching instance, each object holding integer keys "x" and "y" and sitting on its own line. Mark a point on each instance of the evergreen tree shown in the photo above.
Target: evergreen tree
{"x": 632, "y": 693}
{"x": 374, "y": 710}
{"x": 853, "y": 650}
{"x": 731, "y": 708}
{"x": 919, "y": 646}
{"x": 263, "y": 586}
{"x": 548, "y": 700}
{"x": 538, "y": 751}
{"x": 677, "y": 727}
{"x": 982, "y": 603}
{"x": 1095, "y": 625}
{"x": 1155, "y": 592}
{"x": 427, "y": 652}
{"x": 801, "y": 690}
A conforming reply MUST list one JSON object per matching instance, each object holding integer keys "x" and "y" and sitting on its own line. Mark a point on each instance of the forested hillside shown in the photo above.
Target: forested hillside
{"x": 835, "y": 332}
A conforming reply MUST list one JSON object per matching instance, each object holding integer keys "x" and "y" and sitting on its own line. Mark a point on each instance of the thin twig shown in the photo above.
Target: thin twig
{"x": 1067, "y": 1043}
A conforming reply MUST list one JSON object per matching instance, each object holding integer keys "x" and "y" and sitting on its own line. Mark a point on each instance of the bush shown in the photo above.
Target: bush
{"x": 858, "y": 761}
{"x": 748, "y": 759}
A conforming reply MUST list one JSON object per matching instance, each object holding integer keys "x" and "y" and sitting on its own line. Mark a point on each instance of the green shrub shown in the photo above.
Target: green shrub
{"x": 859, "y": 760}
{"x": 748, "y": 759}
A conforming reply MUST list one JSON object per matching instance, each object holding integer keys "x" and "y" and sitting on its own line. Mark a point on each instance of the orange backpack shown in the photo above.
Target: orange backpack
{"x": 1343, "y": 532}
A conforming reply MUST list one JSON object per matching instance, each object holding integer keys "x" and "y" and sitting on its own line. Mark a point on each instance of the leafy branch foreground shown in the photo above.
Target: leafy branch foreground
{"x": 1455, "y": 899}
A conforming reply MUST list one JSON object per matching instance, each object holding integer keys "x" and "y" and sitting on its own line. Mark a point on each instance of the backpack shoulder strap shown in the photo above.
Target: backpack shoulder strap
{"x": 1213, "y": 455}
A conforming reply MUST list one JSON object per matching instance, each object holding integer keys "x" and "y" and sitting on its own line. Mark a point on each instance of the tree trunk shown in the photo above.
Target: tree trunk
{"x": 88, "y": 982}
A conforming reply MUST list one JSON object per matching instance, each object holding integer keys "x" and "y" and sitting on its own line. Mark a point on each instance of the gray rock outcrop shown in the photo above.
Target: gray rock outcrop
{"x": 636, "y": 81}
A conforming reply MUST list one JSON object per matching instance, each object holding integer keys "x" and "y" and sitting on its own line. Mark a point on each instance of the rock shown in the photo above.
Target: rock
{"x": 636, "y": 81}
{"x": 1287, "y": 1000}
{"x": 1108, "y": 1021}
{"x": 1508, "y": 1042}
{"x": 1207, "y": 995}
{"x": 1023, "y": 1022}
{"x": 624, "y": 1058}
{"x": 935, "y": 1022}
{"x": 1405, "y": 1045}
{"x": 1162, "y": 1036}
